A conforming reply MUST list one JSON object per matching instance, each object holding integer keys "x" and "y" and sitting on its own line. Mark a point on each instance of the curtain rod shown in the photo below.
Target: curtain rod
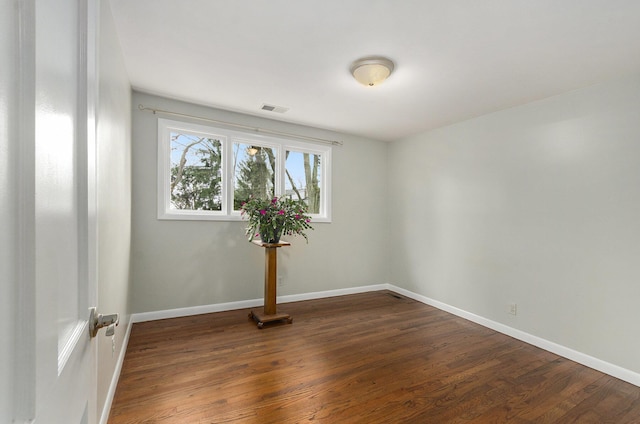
{"x": 244, "y": 127}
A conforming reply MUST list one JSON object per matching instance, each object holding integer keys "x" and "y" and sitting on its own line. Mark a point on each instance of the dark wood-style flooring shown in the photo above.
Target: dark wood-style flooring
{"x": 366, "y": 358}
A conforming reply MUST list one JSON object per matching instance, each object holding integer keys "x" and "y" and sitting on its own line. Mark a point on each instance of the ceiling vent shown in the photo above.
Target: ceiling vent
{"x": 271, "y": 108}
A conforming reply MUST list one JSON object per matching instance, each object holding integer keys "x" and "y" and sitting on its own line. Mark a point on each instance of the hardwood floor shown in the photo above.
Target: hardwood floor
{"x": 366, "y": 358}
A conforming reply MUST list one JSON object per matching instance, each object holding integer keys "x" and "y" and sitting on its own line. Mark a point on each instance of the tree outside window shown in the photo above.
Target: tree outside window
{"x": 206, "y": 173}
{"x": 303, "y": 174}
{"x": 255, "y": 173}
{"x": 195, "y": 172}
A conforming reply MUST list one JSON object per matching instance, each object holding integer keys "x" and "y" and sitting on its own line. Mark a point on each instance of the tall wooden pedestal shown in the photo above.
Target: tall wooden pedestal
{"x": 270, "y": 313}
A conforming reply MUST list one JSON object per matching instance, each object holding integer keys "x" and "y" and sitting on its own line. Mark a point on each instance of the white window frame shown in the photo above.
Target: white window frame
{"x": 227, "y": 137}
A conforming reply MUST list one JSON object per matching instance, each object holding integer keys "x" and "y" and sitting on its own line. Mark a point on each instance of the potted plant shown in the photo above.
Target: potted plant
{"x": 272, "y": 218}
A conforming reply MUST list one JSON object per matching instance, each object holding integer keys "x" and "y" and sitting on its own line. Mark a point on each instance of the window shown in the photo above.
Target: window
{"x": 207, "y": 173}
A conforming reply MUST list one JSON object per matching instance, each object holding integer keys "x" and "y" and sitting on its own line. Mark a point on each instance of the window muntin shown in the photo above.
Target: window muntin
{"x": 205, "y": 173}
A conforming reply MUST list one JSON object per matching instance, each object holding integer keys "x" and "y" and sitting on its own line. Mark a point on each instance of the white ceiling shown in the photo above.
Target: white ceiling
{"x": 455, "y": 59}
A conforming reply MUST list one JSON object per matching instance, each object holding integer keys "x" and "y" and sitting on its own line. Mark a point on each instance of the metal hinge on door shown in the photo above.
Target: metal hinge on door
{"x": 97, "y": 321}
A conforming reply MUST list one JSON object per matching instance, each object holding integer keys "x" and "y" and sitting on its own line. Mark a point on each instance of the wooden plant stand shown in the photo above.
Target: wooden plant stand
{"x": 270, "y": 313}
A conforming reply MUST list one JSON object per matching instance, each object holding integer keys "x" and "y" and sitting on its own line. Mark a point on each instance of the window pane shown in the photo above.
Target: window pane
{"x": 303, "y": 176}
{"x": 253, "y": 172}
{"x": 195, "y": 172}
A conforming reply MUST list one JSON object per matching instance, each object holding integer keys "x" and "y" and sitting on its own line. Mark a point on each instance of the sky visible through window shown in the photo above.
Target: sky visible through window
{"x": 295, "y": 166}
{"x": 180, "y": 141}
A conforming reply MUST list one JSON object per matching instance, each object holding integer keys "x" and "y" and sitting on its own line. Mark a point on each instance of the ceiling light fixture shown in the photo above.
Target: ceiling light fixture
{"x": 371, "y": 70}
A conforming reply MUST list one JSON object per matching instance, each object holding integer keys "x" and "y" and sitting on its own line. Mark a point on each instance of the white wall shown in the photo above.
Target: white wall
{"x": 537, "y": 205}
{"x": 114, "y": 195}
{"x": 188, "y": 263}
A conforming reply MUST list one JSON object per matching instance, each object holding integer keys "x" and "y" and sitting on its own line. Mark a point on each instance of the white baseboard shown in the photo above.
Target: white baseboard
{"x": 195, "y": 310}
{"x": 579, "y": 357}
{"x": 230, "y": 306}
{"x": 104, "y": 417}
{"x": 330, "y": 293}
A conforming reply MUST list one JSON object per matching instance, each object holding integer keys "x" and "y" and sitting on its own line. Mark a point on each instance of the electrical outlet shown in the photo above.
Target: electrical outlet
{"x": 280, "y": 281}
{"x": 512, "y": 308}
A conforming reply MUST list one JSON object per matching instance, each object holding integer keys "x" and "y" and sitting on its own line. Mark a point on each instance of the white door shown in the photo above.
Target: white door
{"x": 55, "y": 357}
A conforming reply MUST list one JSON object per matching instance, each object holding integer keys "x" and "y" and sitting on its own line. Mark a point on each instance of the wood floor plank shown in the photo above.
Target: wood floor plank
{"x": 367, "y": 358}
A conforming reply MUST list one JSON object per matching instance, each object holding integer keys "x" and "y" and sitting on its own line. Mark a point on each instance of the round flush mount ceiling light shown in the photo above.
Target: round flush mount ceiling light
{"x": 371, "y": 70}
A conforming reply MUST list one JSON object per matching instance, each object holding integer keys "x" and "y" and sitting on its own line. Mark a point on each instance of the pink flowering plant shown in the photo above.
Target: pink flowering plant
{"x": 271, "y": 218}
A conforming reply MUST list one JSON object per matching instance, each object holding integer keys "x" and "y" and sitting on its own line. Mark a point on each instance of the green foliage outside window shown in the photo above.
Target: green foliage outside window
{"x": 195, "y": 174}
{"x": 255, "y": 176}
